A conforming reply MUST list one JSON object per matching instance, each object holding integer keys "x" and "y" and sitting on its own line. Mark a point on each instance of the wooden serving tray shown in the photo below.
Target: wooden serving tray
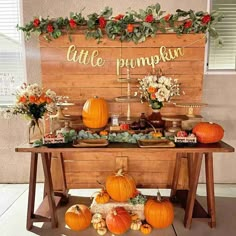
{"x": 158, "y": 143}
{"x": 90, "y": 143}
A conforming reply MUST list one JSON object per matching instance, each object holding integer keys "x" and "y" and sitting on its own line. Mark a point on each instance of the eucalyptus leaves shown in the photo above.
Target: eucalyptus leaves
{"x": 133, "y": 26}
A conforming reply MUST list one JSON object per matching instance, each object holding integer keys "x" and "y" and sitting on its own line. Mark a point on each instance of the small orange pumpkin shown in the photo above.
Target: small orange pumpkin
{"x": 102, "y": 197}
{"x": 208, "y": 132}
{"x": 120, "y": 186}
{"x": 146, "y": 228}
{"x": 95, "y": 113}
{"x": 103, "y": 133}
{"x": 159, "y": 213}
{"x": 118, "y": 220}
{"x": 78, "y": 217}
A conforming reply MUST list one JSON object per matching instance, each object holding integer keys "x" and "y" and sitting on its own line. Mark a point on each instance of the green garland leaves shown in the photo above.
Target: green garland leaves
{"x": 132, "y": 26}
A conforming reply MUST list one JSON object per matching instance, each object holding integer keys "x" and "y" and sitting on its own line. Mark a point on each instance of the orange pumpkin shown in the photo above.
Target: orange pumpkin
{"x": 118, "y": 220}
{"x": 146, "y": 228}
{"x": 102, "y": 197}
{"x": 95, "y": 113}
{"x": 78, "y": 217}
{"x": 159, "y": 213}
{"x": 120, "y": 186}
{"x": 207, "y": 132}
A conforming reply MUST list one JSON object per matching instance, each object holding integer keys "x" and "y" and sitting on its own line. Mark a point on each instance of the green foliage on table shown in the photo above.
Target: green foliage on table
{"x": 139, "y": 199}
{"x": 69, "y": 135}
{"x": 124, "y": 137}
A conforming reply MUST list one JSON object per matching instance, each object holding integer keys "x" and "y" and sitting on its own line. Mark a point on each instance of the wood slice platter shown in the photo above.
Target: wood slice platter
{"x": 158, "y": 143}
{"x": 90, "y": 143}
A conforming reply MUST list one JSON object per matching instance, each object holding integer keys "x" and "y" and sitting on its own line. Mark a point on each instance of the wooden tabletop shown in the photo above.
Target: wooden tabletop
{"x": 127, "y": 147}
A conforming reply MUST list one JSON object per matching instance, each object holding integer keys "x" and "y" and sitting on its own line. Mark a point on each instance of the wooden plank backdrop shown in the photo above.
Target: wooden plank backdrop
{"x": 81, "y": 82}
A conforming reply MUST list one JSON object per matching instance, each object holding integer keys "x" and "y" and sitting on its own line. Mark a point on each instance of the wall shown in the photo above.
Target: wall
{"x": 15, "y": 167}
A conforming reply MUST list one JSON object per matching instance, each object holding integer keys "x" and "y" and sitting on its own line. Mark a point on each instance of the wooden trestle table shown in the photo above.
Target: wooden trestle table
{"x": 187, "y": 197}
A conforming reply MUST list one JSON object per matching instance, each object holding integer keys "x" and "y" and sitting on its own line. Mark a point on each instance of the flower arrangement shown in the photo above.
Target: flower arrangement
{"x": 32, "y": 102}
{"x": 131, "y": 26}
{"x": 157, "y": 90}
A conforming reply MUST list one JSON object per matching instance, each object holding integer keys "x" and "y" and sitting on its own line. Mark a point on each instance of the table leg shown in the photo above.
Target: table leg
{"x": 192, "y": 189}
{"x": 175, "y": 176}
{"x": 210, "y": 189}
{"x": 49, "y": 189}
{"x": 49, "y": 166}
{"x": 190, "y": 165}
{"x": 32, "y": 187}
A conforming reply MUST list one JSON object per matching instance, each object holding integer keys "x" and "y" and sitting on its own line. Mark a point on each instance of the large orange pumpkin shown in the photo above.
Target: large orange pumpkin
{"x": 120, "y": 186}
{"x": 207, "y": 132}
{"x": 95, "y": 113}
{"x": 78, "y": 217}
{"x": 159, "y": 213}
{"x": 118, "y": 220}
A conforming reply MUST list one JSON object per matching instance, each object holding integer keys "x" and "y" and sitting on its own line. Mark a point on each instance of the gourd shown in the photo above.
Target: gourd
{"x": 95, "y": 113}
{"x": 136, "y": 224}
{"x": 207, "y": 132}
{"x": 97, "y": 217}
{"x": 120, "y": 186}
{"x": 146, "y": 228}
{"x": 78, "y": 217}
{"x": 159, "y": 213}
{"x": 102, "y": 231}
{"x": 100, "y": 224}
{"x": 118, "y": 220}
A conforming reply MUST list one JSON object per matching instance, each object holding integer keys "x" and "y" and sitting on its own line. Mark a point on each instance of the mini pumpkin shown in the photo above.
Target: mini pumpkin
{"x": 159, "y": 213}
{"x": 95, "y": 113}
{"x": 100, "y": 224}
{"x": 120, "y": 186}
{"x": 118, "y": 220}
{"x": 157, "y": 134}
{"x": 103, "y": 133}
{"x": 208, "y": 132}
{"x": 146, "y": 228}
{"x": 102, "y": 231}
{"x": 102, "y": 197}
{"x": 78, "y": 217}
{"x": 97, "y": 217}
{"x": 136, "y": 224}
{"x": 134, "y": 216}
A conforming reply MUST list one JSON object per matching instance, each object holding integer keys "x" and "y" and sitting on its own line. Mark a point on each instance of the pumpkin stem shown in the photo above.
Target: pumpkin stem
{"x": 77, "y": 208}
{"x": 114, "y": 212}
{"x": 120, "y": 172}
{"x": 158, "y": 196}
{"x": 103, "y": 186}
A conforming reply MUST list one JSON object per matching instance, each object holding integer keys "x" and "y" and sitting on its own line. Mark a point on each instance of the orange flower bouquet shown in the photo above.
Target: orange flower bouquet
{"x": 33, "y": 102}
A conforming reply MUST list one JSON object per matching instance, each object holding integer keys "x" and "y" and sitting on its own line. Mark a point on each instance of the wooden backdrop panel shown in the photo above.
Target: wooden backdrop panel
{"x": 80, "y": 82}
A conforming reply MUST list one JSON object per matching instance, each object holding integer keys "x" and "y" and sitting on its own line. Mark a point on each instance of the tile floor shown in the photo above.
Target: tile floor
{"x": 13, "y": 204}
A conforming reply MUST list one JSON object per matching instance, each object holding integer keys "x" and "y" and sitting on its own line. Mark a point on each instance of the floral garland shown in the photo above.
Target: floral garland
{"x": 132, "y": 26}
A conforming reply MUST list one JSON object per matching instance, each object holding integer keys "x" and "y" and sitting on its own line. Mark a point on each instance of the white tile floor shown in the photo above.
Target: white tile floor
{"x": 13, "y": 205}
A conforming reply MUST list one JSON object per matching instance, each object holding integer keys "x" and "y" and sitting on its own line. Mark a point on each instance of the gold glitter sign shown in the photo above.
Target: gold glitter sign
{"x": 85, "y": 57}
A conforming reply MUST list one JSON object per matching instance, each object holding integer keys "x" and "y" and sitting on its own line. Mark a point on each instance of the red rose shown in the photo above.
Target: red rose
{"x": 50, "y": 28}
{"x": 36, "y": 22}
{"x": 72, "y": 23}
{"x": 167, "y": 17}
{"x": 149, "y": 18}
{"x": 102, "y": 22}
{"x": 119, "y": 17}
{"x": 206, "y": 19}
{"x": 188, "y": 24}
{"x": 130, "y": 28}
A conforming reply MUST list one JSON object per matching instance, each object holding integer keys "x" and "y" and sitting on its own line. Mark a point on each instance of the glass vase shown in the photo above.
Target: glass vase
{"x": 155, "y": 119}
{"x": 36, "y": 130}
